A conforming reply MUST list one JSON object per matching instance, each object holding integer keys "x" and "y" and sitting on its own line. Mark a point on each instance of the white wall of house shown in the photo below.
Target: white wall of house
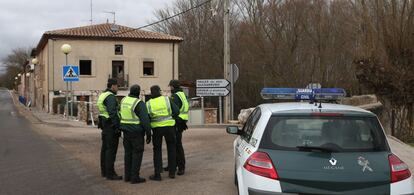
{"x": 102, "y": 54}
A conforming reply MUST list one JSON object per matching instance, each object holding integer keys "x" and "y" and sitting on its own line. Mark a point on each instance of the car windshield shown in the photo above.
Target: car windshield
{"x": 326, "y": 134}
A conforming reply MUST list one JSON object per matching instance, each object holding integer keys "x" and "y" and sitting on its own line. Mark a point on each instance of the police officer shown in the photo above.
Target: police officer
{"x": 179, "y": 99}
{"x": 162, "y": 113}
{"x": 135, "y": 124}
{"x": 109, "y": 123}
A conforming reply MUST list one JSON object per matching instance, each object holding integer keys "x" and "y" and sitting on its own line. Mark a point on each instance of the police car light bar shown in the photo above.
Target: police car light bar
{"x": 302, "y": 94}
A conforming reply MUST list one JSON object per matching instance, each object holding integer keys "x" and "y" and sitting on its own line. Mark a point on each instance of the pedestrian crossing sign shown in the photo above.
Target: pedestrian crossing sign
{"x": 71, "y": 73}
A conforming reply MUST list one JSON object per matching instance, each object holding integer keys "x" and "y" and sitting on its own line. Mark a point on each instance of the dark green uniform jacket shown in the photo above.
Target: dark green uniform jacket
{"x": 176, "y": 100}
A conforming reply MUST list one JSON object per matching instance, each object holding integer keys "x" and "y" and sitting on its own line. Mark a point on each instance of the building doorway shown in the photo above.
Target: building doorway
{"x": 118, "y": 73}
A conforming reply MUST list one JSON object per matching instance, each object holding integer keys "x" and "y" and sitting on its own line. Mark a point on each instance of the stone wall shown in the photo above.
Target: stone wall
{"x": 244, "y": 114}
{"x": 210, "y": 115}
{"x": 359, "y": 100}
{"x": 82, "y": 111}
{"x": 92, "y": 107}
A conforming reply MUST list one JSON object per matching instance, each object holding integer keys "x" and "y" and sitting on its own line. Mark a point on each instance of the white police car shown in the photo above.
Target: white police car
{"x": 313, "y": 148}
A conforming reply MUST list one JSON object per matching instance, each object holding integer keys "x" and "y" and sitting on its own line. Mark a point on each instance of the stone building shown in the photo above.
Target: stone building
{"x": 103, "y": 51}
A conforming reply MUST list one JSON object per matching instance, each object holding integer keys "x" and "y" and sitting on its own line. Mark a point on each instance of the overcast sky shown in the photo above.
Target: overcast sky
{"x": 22, "y": 22}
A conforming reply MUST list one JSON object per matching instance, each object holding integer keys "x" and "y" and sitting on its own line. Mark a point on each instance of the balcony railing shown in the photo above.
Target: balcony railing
{"x": 123, "y": 83}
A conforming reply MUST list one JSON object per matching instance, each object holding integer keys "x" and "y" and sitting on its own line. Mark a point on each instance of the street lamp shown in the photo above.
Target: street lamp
{"x": 19, "y": 75}
{"x": 15, "y": 83}
{"x": 28, "y": 74}
{"x": 66, "y": 49}
{"x": 35, "y": 61}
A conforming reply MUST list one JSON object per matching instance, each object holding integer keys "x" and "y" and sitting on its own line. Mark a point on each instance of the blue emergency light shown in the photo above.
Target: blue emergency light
{"x": 302, "y": 94}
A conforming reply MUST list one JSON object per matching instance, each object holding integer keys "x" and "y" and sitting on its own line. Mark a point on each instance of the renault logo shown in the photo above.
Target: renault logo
{"x": 334, "y": 166}
{"x": 333, "y": 161}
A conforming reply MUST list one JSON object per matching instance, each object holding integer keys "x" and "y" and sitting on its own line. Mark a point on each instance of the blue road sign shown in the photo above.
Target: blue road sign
{"x": 70, "y": 73}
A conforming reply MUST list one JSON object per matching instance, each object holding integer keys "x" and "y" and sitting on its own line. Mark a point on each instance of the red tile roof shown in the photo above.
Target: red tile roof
{"x": 107, "y": 31}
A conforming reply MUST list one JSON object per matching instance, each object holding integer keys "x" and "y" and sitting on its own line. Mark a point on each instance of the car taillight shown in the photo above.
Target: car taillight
{"x": 399, "y": 170}
{"x": 260, "y": 163}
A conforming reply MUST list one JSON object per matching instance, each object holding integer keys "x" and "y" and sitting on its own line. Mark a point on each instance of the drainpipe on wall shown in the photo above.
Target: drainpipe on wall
{"x": 173, "y": 61}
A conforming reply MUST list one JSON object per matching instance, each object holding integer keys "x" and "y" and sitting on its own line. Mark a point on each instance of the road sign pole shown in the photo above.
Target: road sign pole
{"x": 72, "y": 100}
{"x": 202, "y": 111}
{"x": 67, "y": 101}
{"x": 226, "y": 21}
{"x": 231, "y": 92}
{"x": 220, "y": 110}
{"x": 67, "y": 91}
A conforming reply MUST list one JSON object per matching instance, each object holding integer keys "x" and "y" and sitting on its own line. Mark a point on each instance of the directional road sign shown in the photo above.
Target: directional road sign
{"x": 212, "y": 83}
{"x": 212, "y": 92}
{"x": 70, "y": 73}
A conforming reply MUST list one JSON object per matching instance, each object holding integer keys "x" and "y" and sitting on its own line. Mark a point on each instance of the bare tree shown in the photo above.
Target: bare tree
{"x": 14, "y": 64}
{"x": 386, "y": 63}
{"x": 363, "y": 46}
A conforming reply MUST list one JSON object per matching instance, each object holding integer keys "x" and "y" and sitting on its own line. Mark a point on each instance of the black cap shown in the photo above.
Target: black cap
{"x": 174, "y": 83}
{"x": 112, "y": 82}
{"x": 155, "y": 91}
{"x": 135, "y": 90}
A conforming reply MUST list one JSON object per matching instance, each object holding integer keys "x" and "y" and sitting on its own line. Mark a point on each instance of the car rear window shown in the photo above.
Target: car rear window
{"x": 341, "y": 133}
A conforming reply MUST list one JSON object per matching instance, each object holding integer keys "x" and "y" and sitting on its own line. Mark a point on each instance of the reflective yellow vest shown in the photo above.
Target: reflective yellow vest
{"x": 127, "y": 111}
{"x": 184, "y": 105}
{"x": 160, "y": 112}
{"x": 100, "y": 104}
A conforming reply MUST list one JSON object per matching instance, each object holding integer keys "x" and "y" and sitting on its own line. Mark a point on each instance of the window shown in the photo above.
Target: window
{"x": 119, "y": 49}
{"x": 85, "y": 67}
{"x": 341, "y": 134}
{"x": 251, "y": 123}
{"x": 148, "y": 68}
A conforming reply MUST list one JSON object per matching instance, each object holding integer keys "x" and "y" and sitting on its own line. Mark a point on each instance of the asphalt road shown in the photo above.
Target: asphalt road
{"x": 209, "y": 157}
{"x": 44, "y": 166}
{"x": 31, "y": 163}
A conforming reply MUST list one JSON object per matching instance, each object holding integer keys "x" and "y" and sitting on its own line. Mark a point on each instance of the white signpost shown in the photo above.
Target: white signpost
{"x": 212, "y": 92}
{"x": 213, "y": 88}
{"x": 212, "y": 83}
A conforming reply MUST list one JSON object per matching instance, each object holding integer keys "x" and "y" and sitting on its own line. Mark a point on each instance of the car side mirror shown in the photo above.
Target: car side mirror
{"x": 233, "y": 130}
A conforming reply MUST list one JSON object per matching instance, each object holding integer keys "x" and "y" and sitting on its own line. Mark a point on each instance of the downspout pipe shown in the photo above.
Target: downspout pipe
{"x": 173, "y": 61}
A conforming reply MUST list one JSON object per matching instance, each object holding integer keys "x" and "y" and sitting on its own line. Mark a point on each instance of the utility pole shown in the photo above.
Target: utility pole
{"x": 227, "y": 99}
